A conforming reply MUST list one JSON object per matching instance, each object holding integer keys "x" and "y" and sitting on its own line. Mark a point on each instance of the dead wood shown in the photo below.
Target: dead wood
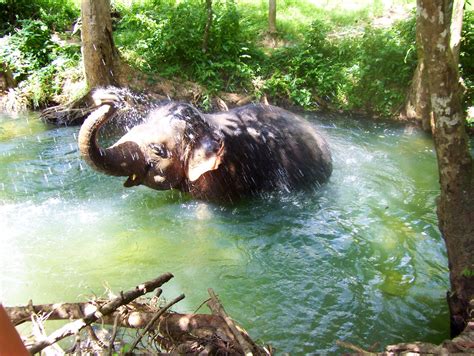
{"x": 181, "y": 328}
{"x": 350, "y": 346}
{"x": 70, "y": 114}
{"x": 247, "y": 345}
{"x": 154, "y": 319}
{"x": 174, "y": 332}
{"x": 137, "y": 316}
{"x": 462, "y": 344}
{"x": 108, "y": 308}
{"x": 114, "y": 334}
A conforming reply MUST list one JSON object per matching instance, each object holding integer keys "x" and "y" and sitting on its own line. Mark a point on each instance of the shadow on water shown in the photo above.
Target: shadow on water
{"x": 359, "y": 259}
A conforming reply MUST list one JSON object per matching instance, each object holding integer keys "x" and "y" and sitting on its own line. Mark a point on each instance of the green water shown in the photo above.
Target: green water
{"x": 360, "y": 260}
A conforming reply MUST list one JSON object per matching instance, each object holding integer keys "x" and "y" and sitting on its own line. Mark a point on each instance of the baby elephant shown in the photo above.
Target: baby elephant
{"x": 217, "y": 157}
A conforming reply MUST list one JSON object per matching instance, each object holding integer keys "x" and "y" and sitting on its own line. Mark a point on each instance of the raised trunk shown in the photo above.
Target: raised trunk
{"x": 455, "y": 164}
{"x": 98, "y": 49}
{"x": 103, "y": 160}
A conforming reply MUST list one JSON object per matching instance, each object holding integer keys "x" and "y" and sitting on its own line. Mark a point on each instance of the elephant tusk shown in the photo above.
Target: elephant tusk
{"x": 132, "y": 181}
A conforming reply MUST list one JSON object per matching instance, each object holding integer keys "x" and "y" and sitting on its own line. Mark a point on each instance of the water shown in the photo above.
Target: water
{"x": 360, "y": 260}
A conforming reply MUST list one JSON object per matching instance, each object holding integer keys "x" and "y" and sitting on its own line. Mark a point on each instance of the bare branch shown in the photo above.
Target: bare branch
{"x": 247, "y": 346}
{"x": 125, "y": 298}
{"x": 154, "y": 319}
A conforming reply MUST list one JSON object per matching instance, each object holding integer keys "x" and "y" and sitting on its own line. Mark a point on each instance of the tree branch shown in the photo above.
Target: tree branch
{"x": 108, "y": 308}
{"x": 247, "y": 346}
{"x": 154, "y": 319}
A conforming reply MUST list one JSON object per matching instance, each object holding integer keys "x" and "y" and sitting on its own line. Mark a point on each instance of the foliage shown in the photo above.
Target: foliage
{"x": 166, "y": 38}
{"x": 36, "y": 61}
{"x": 368, "y": 71}
{"x": 57, "y": 15}
{"x": 334, "y": 58}
{"x": 28, "y": 49}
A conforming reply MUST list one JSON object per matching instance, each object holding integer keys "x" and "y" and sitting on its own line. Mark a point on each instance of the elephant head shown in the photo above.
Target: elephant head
{"x": 172, "y": 146}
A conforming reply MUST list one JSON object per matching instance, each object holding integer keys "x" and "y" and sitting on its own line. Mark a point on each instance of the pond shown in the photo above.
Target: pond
{"x": 359, "y": 260}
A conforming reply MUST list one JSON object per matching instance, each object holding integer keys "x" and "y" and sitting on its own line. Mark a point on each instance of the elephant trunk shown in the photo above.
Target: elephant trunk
{"x": 103, "y": 160}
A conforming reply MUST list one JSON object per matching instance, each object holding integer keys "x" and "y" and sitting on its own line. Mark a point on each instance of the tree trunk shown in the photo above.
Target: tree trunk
{"x": 98, "y": 50}
{"x": 418, "y": 105}
{"x": 456, "y": 13}
{"x": 455, "y": 164}
{"x": 272, "y": 17}
{"x": 207, "y": 29}
{"x": 6, "y": 77}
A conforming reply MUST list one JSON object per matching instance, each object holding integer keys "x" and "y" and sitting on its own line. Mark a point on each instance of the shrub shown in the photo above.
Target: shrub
{"x": 36, "y": 60}
{"x": 58, "y": 15}
{"x": 369, "y": 71}
{"x": 168, "y": 40}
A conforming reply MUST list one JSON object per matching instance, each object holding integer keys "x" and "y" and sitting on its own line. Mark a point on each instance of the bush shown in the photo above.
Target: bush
{"x": 28, "y": 49}
{"x": 167, "y": 39}
{"x": 369, "y": 72}
{"x": 58, "y": 15}
{"x": 36, "y": 60}
{"x": 386, "y": 60}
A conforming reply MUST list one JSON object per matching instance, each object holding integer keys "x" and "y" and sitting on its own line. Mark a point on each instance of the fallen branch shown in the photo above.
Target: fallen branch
{"x": 176, "y": 325}
{"x": 154, "y": 319}
{"x": 75, "y": 326}
{"x": 462, "y": 344}
{"x": 69, "y": 114}
{"x": 114, "y": 334}
{"x": 248, "y": 347}
{"x": 353, "y": 347}
{"x": 173, "y": 332}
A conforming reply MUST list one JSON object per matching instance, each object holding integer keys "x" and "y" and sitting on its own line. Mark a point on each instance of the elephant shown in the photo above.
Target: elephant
{"x": 221, "y": 156}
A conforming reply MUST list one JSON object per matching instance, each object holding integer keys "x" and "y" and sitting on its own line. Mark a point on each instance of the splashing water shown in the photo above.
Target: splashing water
{"x": 360, "y": 259}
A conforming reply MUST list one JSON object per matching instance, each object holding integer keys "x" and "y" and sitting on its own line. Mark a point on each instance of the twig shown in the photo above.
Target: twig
{"x": 353, "y": 347}
{"x": 94, "y": 338}
{"x": 216, "y": 307}
{"x": 39, "y": 333}
{"x": 73, "y": 327}
{"x": 114, "y": 334}
{"x": 200, "y": 305}
{"x": 154, "y": 319}
{"x": 75, "y": 346}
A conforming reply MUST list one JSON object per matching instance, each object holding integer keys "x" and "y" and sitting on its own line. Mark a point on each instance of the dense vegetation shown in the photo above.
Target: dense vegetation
{"x": 322, "y": 58}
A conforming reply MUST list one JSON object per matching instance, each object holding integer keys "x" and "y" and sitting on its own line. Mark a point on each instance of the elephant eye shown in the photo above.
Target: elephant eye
{"x": 160, "y": 150}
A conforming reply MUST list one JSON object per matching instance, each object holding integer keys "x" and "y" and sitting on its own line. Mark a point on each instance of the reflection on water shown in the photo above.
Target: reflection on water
{"x": 359, "y": 260}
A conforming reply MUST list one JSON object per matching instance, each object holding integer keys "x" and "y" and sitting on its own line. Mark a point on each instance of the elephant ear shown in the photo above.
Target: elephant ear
{"x": 206, "y": 155}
